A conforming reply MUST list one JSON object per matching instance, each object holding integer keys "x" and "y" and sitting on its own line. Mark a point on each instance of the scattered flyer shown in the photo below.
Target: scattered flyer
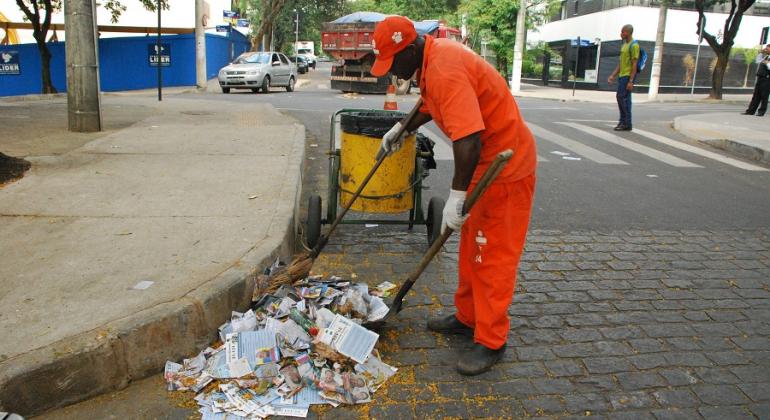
{"x": 349, "y": 338}
{"x": 298, "y": 346}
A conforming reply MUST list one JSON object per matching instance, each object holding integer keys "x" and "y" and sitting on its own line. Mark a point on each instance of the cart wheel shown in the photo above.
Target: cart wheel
{"x": 313, "y": 227}
{"x": 435, "y": 216}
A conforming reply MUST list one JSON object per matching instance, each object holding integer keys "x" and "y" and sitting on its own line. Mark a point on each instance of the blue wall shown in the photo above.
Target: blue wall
{"x": 123, "y": 63}
{"x": 29, "y": 79}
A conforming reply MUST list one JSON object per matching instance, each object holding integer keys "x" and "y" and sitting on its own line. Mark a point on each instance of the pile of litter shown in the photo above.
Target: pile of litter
{"x": 301, "y": 345}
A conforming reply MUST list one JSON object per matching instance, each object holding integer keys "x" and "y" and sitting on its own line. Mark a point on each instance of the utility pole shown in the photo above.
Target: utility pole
{"x": 296, "y": 32}
{"x": 159, "y": 63}
{"x": 657, "y": 59}
{"x": 82, "y": 59}
{"x": 296, "y": 39}
{"x": 200, "y": 45}
{"x": 518, "y": 47}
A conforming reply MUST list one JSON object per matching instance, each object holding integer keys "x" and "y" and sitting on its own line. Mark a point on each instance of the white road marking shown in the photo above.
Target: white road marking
{"x": 620, "y": 141}
{"x": 600, "y": 121}
{"x": 541, "y": 159}
{"x": 576, "y": 147}
{"x": 441, "y": 150}
{"x": 698, "y": 151}
{"x": 547, "y": 108}
{"x": 323, "y": 86}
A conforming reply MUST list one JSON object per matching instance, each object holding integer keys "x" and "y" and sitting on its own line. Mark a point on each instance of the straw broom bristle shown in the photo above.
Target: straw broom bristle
{"x": 298, "y": 270}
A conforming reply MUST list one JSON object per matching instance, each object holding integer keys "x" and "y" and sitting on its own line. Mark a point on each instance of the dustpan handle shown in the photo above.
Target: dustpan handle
{"x": 381, "y": 155}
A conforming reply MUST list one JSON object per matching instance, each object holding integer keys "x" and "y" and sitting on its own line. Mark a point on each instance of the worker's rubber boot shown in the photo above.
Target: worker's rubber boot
{"x": 479, "y": 359}
{"x": 449, "y": 325}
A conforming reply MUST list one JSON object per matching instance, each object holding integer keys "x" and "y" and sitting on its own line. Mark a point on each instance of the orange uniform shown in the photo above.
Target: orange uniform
{"x": 464, "y": 95}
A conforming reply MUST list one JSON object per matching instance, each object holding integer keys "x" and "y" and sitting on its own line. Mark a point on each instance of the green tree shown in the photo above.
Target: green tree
{"x": 747, "y": 55}
{"x": 273, "y": 21}
{"x": 39, "y": 12}
{"x": 414, "y": 9}
{"x": 494, "y": 22}
{"x": 729, "y": 31}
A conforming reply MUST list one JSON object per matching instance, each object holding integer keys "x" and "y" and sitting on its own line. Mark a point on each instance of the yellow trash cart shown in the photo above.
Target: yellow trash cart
{"x": 395, "y": 188}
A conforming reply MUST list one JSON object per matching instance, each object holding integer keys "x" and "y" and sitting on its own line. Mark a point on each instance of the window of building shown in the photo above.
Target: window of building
{"x": 576, "y": 7}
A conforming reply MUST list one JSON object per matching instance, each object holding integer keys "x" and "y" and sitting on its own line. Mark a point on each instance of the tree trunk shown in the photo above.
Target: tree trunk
{"x": 718, "y": 75}
{"x": 45, "y": 67}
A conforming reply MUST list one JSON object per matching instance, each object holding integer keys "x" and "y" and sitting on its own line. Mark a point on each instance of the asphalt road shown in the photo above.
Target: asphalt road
{"x": 589, "y": 177}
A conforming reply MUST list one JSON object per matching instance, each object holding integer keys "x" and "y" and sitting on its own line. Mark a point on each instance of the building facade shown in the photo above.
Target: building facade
{"x": 597, "y": 24}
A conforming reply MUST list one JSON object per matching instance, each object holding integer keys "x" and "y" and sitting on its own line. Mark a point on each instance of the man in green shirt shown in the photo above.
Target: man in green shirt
{"x": 626, "y": 70}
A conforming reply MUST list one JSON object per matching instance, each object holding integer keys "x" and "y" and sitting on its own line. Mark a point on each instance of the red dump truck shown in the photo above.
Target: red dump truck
{"x": 349, "y": 40}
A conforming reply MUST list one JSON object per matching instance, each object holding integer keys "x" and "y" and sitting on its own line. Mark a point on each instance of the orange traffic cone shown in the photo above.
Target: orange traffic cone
{"x": 390, "y": 99}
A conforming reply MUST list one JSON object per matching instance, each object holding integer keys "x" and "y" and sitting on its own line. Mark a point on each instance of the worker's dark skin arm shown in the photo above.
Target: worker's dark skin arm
{"x": 467, "y": 151}
{"x": 418, "y": 121}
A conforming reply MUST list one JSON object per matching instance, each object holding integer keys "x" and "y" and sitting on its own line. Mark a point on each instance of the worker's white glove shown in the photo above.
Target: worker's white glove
{"x": 453, "y": 211}
{"x": 390, "y": 144}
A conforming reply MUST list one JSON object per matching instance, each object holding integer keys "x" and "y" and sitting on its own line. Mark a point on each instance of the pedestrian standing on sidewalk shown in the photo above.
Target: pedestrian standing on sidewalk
{"x": 470, "y": 102}
{"x": 626, "y": 72}
{"x": 758, "y": 102}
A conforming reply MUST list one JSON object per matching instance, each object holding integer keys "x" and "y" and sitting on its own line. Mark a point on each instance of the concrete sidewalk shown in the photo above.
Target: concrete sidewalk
{"x": 189, "y": 196}
{"x": 602, "y": 96}
{"x": 743, "y": 135}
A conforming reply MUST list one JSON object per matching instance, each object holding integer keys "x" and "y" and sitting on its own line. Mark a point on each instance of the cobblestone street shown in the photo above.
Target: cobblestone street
{"x": 661, "y": 324}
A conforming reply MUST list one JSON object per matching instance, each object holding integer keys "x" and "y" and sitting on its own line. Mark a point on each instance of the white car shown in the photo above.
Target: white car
{"x": 258, "y": 71}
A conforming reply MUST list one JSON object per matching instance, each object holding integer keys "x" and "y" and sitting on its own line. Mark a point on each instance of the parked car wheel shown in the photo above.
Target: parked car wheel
{"x": 266, "y": 84}
{"x": 290, "y": 86}
{"x": 225, "y": 90}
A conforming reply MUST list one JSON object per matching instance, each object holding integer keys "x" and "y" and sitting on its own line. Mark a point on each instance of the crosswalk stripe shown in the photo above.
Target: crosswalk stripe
{"x": 574, "y": 146}
{"x": 541, "y": 159}
{"x": 698, "y": 151}
{"x": 620, "y": 141}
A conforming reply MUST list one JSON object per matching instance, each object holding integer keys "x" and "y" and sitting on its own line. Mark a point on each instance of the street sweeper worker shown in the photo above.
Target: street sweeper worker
{"x": 470, "y": 102}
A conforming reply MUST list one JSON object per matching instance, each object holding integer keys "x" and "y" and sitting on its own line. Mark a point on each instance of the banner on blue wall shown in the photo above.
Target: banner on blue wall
{"x": 9, "y": 63}
{"x": 165, "y": 55}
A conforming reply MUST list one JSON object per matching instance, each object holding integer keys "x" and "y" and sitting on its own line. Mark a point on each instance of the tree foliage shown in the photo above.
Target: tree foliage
{"x": 747, "y": 55}
{"x": 728, "y": 32}
{"x": 494, "y": 22}
{"x": 415, "y": 9}
{"x": 274, "y": 20}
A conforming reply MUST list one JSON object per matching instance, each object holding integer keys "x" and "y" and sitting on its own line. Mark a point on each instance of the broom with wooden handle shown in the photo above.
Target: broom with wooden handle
{"x": 302, "y": 264}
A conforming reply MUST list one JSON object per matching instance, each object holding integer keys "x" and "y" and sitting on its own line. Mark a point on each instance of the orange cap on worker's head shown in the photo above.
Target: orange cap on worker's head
{"x": 391, "y": 36}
